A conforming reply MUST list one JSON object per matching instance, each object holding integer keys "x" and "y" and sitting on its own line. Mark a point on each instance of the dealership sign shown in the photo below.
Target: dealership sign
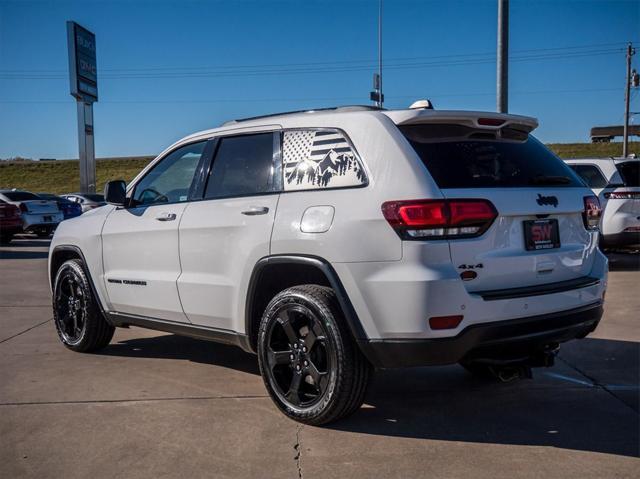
{"x": 83, "y": 71}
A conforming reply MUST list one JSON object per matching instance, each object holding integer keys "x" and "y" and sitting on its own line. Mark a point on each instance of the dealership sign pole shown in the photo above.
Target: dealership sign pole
{"x": 83, "y": 75}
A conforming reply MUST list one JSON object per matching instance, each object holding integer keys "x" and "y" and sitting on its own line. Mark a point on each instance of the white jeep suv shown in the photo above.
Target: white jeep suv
{"x": 616, "y": 182}
{"x": 331, "y": 242}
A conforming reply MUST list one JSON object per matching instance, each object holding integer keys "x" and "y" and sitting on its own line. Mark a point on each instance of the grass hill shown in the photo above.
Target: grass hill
{"x": 63, "y": 176}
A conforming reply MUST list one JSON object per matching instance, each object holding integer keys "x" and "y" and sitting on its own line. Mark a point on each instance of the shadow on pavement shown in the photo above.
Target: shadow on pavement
{"x": 181, "y": 347}
{"x": 565, "y": 410}
{"x": 624, "y": 261}
{"x": 14, "y": 250}
{"x": 23, "y": 254}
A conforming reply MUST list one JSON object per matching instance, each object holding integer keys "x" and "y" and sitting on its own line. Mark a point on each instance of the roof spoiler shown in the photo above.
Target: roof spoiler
{"x": 480, "y": 120}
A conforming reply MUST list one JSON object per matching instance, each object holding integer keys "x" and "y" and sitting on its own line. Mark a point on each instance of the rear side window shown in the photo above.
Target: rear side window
{"x": 591, "y": 175}
{"x": 630, "y": 172}
{"x": 242, "y": 166}
{"x": 463, "y": 157}
{"x": 319, "y": 159}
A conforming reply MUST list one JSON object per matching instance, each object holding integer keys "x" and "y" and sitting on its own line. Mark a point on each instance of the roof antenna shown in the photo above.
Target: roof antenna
{"x": 376, "y": 95}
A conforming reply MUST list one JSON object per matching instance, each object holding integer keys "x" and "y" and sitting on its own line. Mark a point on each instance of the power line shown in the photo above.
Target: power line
{"x": 318, "y": 70}
{"x": 344, "y": 98}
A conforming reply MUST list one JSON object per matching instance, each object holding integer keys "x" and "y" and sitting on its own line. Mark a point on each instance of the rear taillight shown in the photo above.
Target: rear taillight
{"x": 622, "y": 195}
{"x": 439, "y": 219}
{"x": 592, "y": 212}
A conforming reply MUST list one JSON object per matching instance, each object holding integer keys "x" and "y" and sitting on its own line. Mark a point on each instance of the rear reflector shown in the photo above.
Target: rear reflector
{"x": 592, "y": 212}
{"x": 445, "y": 322}
{"x": 439, "y": 219}
{"x": 622, "y": 195}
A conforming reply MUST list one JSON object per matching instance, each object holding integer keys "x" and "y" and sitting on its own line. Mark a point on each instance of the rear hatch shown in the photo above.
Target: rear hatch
{"x": 30, "y": 203}
{"x": 537, "y": 234}
{"x": 40, "y": 207}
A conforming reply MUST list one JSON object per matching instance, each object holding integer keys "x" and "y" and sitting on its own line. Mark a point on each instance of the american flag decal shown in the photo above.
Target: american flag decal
{"x": 319, "y": 159}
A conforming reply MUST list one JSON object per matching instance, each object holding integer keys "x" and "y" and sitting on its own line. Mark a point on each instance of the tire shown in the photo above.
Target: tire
{"x": 6, "y": 238}
{"x": 333, "y": 374}
{"x": 79, "y": 323}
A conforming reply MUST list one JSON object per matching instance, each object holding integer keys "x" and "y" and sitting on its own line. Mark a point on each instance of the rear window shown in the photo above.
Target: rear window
{"x": 630, "y": 172}
{"x": 20, "y": 196}
{"x": 591, "y": 175}
{"x": 462, "y": 157}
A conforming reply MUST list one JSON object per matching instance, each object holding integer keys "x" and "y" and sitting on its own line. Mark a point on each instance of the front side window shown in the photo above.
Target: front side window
{"x": 170, "y": 180}
{"x": 242, "y": 166}
{"x": 318, "y": 159}
{"x": 591, "y": 175}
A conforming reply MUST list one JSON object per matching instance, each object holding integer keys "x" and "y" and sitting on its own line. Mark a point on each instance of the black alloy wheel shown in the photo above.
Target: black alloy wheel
{"x": 299, "y": 356}
{"x": 70, "y": 307}
{"x": 79, "y": 322}
{"x": 310, "y": 364}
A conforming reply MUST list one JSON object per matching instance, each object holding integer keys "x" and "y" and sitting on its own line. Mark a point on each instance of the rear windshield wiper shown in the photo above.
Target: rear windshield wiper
{"x": 549, "y": 180}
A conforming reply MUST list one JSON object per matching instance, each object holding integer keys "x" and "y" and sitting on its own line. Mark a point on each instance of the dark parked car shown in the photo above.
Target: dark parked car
{"x": 10, "y": 221}
{"x": 69, "y": 208}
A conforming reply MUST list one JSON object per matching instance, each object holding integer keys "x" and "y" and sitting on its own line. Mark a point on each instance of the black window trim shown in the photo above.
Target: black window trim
{"x": 203, "y": 169}
{"x": 278, "y": 135}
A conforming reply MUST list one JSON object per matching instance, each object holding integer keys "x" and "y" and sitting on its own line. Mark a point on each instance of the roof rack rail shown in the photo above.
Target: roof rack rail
{"x": 333, "y": 108}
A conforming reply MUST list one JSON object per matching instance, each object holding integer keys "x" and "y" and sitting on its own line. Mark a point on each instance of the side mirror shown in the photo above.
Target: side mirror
{"x": 115, "y": 192}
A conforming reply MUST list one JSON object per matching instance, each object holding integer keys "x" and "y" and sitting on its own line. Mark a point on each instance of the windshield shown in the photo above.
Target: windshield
{"x": 630, "y": 172}
{"x": 462, "y": 157}
{"x": 20, "y": 196}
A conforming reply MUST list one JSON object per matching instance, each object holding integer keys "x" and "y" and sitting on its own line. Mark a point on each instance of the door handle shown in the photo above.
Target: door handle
{"x": 256, "y": 210}
{"x": 166, "y": 217}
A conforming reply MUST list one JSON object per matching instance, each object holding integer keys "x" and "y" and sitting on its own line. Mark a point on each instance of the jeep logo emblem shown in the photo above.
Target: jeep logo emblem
{"x": 547, "y": 200}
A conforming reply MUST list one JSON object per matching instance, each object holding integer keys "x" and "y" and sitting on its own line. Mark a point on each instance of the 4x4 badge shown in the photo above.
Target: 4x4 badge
{"x": 547, "y": 200}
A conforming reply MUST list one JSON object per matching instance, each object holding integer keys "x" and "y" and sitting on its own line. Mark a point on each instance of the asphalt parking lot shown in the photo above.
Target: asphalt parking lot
{"x": 158, "y": 405}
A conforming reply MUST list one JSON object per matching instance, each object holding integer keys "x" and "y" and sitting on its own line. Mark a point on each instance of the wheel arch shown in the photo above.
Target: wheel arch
{"x": 63, "y": 253}
{"x": 272, "y": 274}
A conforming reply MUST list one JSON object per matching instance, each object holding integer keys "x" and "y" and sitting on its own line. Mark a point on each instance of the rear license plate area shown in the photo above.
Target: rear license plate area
{"x": 541, "y": 234}
{"x": 47, "y": 219}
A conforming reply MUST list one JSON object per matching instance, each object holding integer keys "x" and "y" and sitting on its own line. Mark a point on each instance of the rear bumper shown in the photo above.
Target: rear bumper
{"x": 37, "y": 220}
{"x": 514, "y": 337}
{"x": 625, "y": 238}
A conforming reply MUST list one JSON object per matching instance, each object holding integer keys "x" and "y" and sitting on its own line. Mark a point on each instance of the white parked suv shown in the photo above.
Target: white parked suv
{"x": 616, "y": 181}
{"x": 334, "y": 241}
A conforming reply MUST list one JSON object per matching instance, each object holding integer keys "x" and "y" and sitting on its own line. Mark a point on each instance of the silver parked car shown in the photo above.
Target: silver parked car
{"x": 38, "y": 216}
{"x": 87, "y": 201}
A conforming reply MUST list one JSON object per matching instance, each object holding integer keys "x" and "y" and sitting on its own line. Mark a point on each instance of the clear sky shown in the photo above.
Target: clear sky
{"x": 167, "y": 69}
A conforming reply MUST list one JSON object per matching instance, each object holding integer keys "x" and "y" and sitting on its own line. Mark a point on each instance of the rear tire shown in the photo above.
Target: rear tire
{"x": 79, "y": 323}
{"x": 311, "y": 367}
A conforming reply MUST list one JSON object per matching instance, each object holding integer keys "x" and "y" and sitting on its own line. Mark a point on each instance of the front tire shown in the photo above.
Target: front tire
{"x": 79, "y": 322}
{"x": 311, "y": 367}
